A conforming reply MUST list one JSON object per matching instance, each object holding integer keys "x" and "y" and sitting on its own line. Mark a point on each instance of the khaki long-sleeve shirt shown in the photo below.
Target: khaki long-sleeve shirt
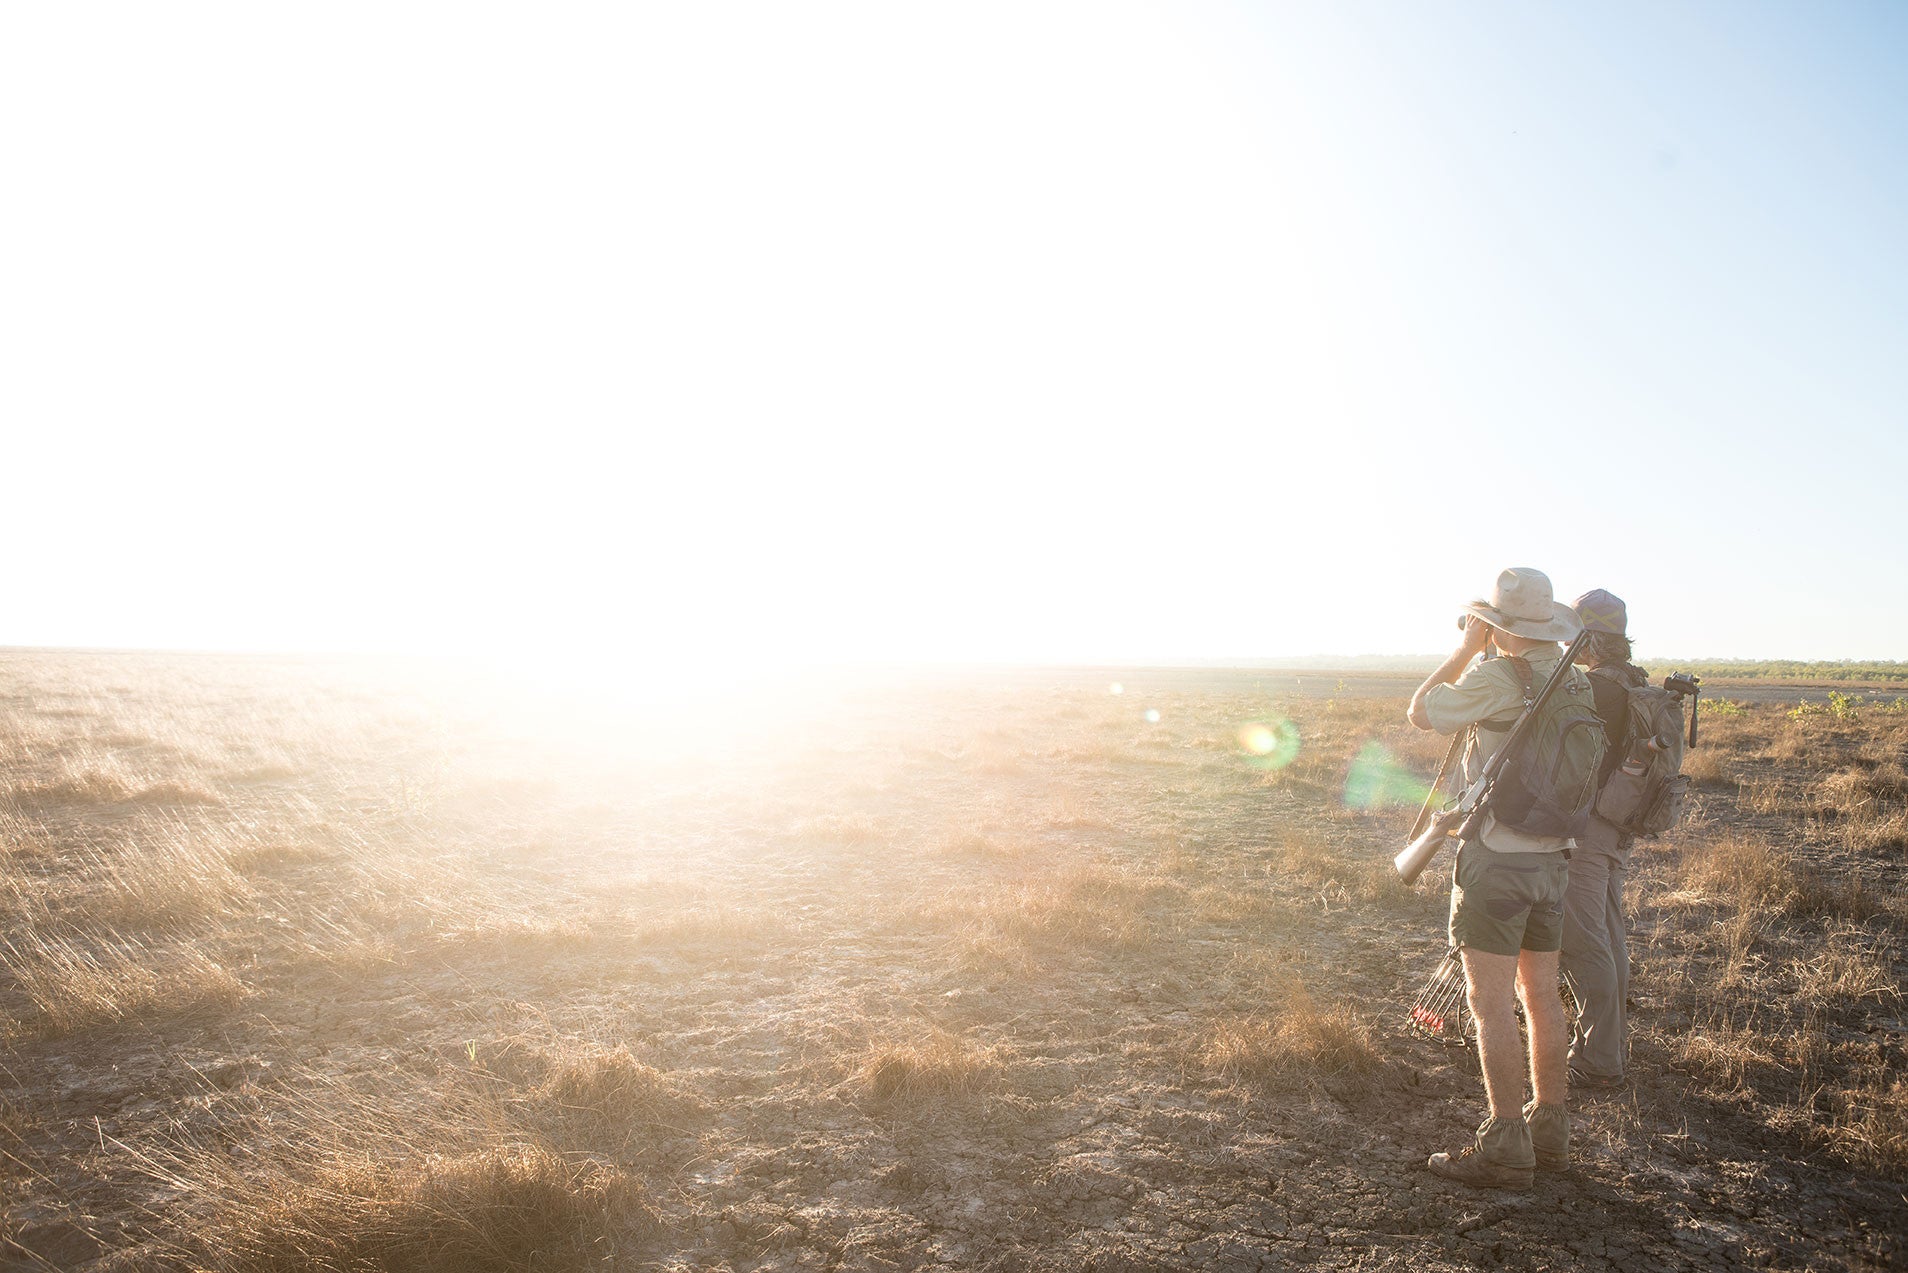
{"x": 1489, "y": 694}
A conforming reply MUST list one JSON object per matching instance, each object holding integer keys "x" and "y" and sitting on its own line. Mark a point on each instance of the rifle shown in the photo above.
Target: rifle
{"x": 1464, "y": 819}
{"x": 1437, "y": 785}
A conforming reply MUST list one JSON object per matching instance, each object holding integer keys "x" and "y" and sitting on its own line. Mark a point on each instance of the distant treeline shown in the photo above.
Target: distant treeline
{"x": 1800, "y": 670}
{"x": 1889, "y": 671}
{"x": 1834, "y": 671}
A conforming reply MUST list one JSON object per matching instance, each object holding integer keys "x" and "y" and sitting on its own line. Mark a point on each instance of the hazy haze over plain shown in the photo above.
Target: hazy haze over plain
{"x": 1057, "y": 332}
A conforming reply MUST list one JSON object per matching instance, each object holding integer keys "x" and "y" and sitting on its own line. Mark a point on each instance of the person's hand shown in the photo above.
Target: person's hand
{"x": 1477, "y": 635}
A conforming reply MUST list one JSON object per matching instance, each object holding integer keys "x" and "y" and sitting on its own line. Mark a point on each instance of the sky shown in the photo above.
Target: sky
{"x": 1076, "y": 332}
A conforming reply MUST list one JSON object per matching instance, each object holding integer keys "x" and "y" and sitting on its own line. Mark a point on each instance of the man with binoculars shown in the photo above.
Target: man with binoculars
{"x": 1507, "y": 895}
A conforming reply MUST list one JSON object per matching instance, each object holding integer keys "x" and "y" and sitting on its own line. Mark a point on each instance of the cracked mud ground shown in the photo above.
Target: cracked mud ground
{"x": 917, "y": 975}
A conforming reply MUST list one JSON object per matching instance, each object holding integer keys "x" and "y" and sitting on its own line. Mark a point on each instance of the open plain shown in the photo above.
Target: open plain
{"x": 336, "y": 965}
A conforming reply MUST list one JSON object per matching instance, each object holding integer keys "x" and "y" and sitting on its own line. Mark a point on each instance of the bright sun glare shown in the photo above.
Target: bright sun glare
{"x": 678, "y": 333}
{"x": 695, "y": 334}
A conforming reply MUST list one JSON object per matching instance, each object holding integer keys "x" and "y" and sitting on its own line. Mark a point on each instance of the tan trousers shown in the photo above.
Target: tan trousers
{"x": 1596, "y": 954}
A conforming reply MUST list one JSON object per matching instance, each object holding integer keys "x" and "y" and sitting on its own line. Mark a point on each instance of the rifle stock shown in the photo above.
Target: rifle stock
{"x": 1417, "y": 855}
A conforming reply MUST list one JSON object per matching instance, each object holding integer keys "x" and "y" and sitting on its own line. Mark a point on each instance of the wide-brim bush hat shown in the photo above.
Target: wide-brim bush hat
{"x": 1522, "y": 604}
{"x": 1603, "y": 612}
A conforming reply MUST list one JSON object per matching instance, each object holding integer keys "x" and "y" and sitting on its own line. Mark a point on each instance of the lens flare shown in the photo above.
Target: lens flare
{"x": 1269, "y": 746}
{"x": 1152, "y": 716}
{"x": 1377, "y": 781}
{"x": 1116, "y": 688}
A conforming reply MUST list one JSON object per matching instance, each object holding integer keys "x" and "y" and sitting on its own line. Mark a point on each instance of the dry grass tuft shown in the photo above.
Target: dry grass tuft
{"x": 1864, "y": 805}
{"x": 611, "y": 1084}
{"x": 504, "y": 1209}
{"x": 1847, "y": 974}
{"x": 1875, "y": 826}
{"x": 97, "y": 780}
{"x": 1871, "y": 1128}
{"x": 1888, "y": 779}
{"x": 1842, "y": 792}
{"x": 1742, "y": 873}
{"x": 1300, "y": 1042}
{"x": 1083, "y": 908}
{"x": 520, "y": 932}
{"x": 1071, "y": 814}
{"x": 984, "y": 847}
{"x": 381, "y": 1173}
{"x": 710, "y": 927}
{"x": 838, "y": 828}
{"x": 74, "y": 985}
{"x": 995, "y": 761}
{"x": 1727, "y": 1055}
{"x": 171, "y": 880}
{"x": 1704, "y": 767}
{"x": 940, "y": 1065}
{"x": 1765, "y": 796}
{"x": 1339, "y": 878}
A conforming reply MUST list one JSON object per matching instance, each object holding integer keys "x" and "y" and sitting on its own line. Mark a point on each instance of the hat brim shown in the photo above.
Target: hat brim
{"x": 1564, "y": 624}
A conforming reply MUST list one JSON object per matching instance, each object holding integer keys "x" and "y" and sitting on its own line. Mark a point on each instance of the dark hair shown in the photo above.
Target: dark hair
{"x": 1607, "y": 647}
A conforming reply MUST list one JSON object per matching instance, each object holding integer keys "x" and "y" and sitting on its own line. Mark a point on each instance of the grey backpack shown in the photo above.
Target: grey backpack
{"x": 1549, "y": 786}
{"x": 1645, "y": 789}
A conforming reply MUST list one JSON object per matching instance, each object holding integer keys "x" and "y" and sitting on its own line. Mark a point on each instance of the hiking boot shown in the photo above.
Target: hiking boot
{"x": 1594, "y": 1082}
{"x": 1501, "y": 1157}
{"x": 1549, "y": 1135}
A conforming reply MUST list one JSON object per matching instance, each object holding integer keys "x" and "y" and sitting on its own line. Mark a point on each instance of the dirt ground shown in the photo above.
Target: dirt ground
{"x": 990, "y": 970}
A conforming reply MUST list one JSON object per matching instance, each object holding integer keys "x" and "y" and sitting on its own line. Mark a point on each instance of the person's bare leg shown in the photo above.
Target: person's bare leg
{"x": 1543, "y": 1011}
{"x": 1502, "y": 1155}
{"x": 1488, "y": 981}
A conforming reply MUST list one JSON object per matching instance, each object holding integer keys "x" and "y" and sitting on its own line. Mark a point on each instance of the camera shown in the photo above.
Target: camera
{"x": 1682, "y": 684}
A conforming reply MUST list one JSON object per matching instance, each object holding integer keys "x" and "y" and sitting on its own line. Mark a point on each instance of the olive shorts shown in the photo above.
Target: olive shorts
{"x": 1502, "y": 903}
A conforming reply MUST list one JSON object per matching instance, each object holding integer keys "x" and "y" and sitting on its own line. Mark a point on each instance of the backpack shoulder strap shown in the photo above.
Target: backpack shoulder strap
{"x": 1525, "y": 678}
{"x": 1611, "y": 696}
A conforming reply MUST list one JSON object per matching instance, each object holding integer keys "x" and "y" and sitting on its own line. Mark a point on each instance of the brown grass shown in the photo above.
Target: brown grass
{"x": 1738, "y": 871}
{"x": 708, "y": 926}
{"x": 1870, "y": 1127}
{"x": 489, "y": 1211}
{"x": 75, "y": 984}
{"x": 1089, "y": 907}
{"x": 1705, "y": 768}
{"x": 1726, "y": 1054}
{"x": 1742, "y": 872}
{"x": 1070, "y": 813}
{"x": 848, "y": 828}
{"x": 1848, "y": 973}
{"x": 1340, "y": 878}
{"x": 979, "y": 845}
{"x": 1776, "y": 935}
{"x": 169, "y": 879}
{"x": 936, "y": 1065}
{"x": 108, "y": 781}
{"x": 424, "y": 981}
{"x": 610, "y": 1086}
{"x": 1302, "y": 1041}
